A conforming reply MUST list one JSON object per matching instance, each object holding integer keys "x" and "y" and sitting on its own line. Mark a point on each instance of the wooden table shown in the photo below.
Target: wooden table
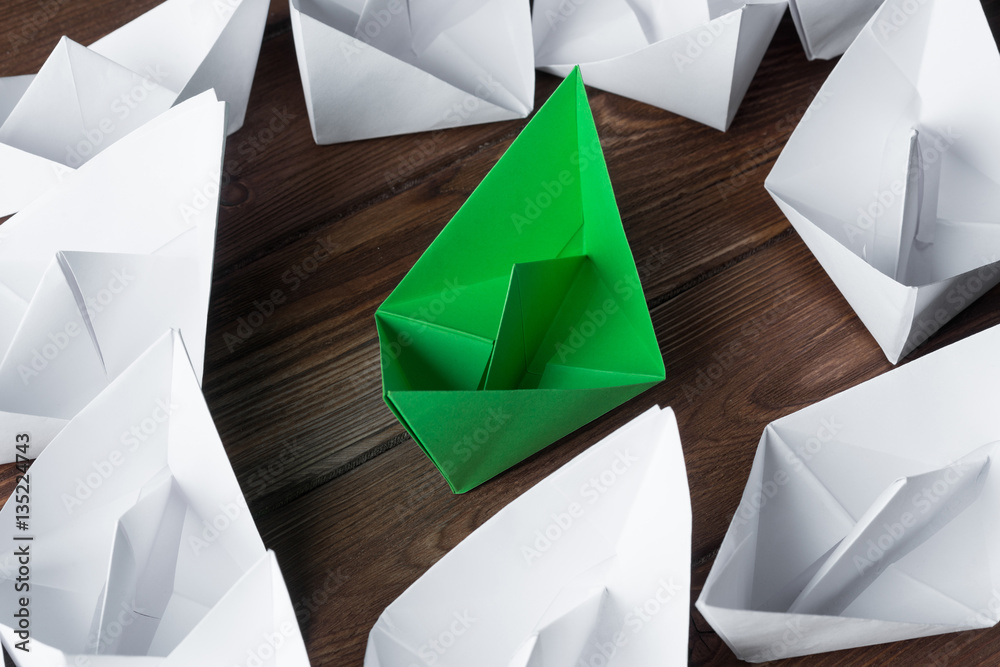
{"x": 353, "y": 509}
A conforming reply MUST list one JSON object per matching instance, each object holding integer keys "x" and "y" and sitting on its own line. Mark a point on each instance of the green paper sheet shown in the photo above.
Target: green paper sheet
{"x": 525, "y": 318}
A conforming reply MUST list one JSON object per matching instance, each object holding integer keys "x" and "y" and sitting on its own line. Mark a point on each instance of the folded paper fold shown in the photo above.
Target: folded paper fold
{"x": 96, "y": 269}
{"x": 591, "y": 566}
{"x": 847, "y": 573}
{"x": 868, "y": 517}
{"x": 695, "y": 58}
{"x": 525, "y": 318}
{"x": 143, "y": 549}
{"x": 891, "y": 177}
{"x": 376, "y": 68}
{"x": 86, "y": 98}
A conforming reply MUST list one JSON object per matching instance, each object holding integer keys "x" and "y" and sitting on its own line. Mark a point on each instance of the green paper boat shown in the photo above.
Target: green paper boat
{"x": 525, "y": 318}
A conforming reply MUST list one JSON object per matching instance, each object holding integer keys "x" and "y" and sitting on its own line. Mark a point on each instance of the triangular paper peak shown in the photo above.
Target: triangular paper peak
{"x": 80, "y": 103}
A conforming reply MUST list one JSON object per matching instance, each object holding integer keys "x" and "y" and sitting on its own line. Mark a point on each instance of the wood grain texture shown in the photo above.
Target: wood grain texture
{"x": 750, "y": 327}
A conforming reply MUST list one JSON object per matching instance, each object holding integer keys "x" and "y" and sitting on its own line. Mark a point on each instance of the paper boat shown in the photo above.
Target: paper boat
{"x": 84, "y": 99}
{"x": 893, "y": 176}
{"x": 384, "y": 67}
{"x": 693, "y": 57}
{"x": 142, "y": 551}
{"x": 97, "y": 268}
{"x": 525, "y": 318}
{"x": 591, "y": 566}
{"x": 869, "y": 517}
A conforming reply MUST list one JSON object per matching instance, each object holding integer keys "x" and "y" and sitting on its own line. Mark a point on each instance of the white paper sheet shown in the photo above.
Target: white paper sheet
{"x": 373, "y": 68}
{"x": 892, "y": 178}
{"x": 869, "y": 517}
{"x": 591, "y": 566}
{"x": 695, "y": 58}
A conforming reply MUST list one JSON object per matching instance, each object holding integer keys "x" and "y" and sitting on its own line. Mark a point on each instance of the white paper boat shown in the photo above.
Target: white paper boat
{"x": 84, "y": 99}
{"x": 95, "y": 270}
{"x": 142, "y": 551}
{"x": 695, "y": 58}
{"x": 591, "y": 566}
{"x": 373, "y": 68}
{"x": 893, "y": 176}
{"x": 869, "y": 517}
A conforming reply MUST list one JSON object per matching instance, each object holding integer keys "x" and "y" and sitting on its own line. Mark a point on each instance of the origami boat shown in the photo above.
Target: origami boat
{"x": 590, "y": 567}
{"x": 95, "y": 270}
{"x": 84, "y": 99}
{"x": 141, "y": 549}
{"x": 525, "y": 318}
{"x": 891, "y": 178}
{"x": 383, "y": 67}
{"x": 692, "y": 57}
{"x": 869, "y": 517}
